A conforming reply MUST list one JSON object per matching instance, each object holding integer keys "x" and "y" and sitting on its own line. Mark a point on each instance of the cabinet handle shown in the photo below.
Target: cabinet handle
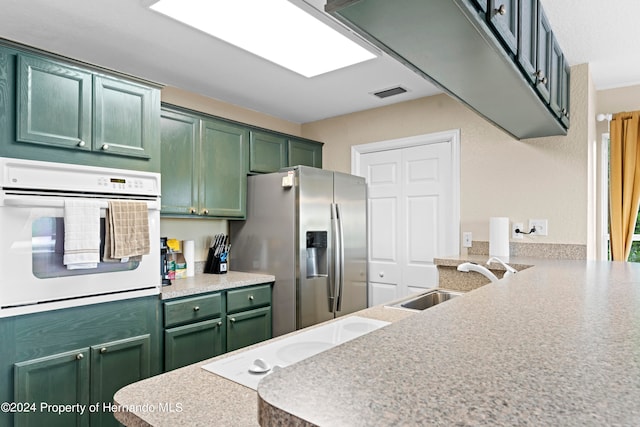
{"x": 196, "y": 308}
{"x": 192, "y": 210}
{"x": 81, "y": 143}
{"x": 103, "y": 350}
{"x": 220, "y": 323}
{"x": 381, "y": 274}
{"x": 502, "y": 10}
{"x": 79, "y": 356}
{"x": 250, "y": 297}
{"x": 205, "y": 212}
{"x": 544, "y": 81}
{"x": 105, "y": 147}
{"x": 233, "y": 319}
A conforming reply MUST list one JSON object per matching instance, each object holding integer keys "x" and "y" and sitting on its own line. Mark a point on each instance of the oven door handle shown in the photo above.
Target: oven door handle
{"x": 57, "y": 202}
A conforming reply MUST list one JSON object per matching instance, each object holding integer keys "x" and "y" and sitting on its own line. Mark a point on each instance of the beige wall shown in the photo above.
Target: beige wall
{"x": 500, "y": 176}
{"x": 217, "y": 108}
{"x": 543, "y": 178}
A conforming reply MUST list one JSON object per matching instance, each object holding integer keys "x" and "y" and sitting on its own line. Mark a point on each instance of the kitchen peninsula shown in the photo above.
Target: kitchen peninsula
{"x": 556, "y": 344}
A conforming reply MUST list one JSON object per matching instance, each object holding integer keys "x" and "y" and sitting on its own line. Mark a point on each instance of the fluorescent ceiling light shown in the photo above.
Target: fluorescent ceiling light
{"x": 276, "y": 30}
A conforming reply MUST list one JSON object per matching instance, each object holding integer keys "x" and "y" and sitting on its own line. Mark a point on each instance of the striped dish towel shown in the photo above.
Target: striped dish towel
{"x": 81, "y": 234}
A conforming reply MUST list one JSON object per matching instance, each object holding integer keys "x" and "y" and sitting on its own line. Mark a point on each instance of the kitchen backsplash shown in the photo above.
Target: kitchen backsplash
{"x": 535, "y": 250}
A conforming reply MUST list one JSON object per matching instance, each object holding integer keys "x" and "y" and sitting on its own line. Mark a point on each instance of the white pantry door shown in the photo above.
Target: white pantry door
{"x": 413, "y": 215}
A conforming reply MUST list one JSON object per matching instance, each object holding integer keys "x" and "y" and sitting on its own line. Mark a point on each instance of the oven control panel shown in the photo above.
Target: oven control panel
{"x": 49, "y": 176}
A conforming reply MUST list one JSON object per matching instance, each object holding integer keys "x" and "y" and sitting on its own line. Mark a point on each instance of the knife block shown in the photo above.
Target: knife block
{"x": 214, "y": 264}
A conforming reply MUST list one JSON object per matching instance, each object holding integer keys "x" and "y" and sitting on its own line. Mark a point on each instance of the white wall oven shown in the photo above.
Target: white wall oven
{"x": 36, "y": 275}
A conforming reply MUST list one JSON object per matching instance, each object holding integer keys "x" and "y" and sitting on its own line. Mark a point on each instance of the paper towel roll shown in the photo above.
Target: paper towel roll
{"x": 188, "y": 250}
{"x": 499, "y": 236}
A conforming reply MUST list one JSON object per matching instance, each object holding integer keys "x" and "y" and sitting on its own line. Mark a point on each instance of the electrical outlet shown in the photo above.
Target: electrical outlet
{"x": 517, "y": 226}
{"x": 466, "y": 239}
{"x": 540, "y": 225}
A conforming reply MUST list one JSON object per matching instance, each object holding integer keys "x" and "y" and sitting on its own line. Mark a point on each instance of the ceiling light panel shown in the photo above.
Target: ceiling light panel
{"x": 276, "y": 30}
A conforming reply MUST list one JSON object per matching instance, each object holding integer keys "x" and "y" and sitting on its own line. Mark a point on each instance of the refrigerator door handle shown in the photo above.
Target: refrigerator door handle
{"x": 334, "y": 274}
{"x": 340, "y": 260}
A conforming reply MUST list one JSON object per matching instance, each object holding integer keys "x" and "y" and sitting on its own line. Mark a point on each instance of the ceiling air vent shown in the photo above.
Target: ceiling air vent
{"x": 390, "y": 92}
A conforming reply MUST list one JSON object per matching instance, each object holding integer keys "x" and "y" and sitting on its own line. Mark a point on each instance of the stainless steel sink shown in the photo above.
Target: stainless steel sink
{"x": 426, "y": 300}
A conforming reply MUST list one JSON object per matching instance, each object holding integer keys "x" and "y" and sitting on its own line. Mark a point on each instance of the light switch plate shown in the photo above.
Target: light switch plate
{"x": 467, "y": 239}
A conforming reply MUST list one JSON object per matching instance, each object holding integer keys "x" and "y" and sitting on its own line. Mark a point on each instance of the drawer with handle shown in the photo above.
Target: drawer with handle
{"x": 192, "y": 309}
{"x": 247, "y": 298}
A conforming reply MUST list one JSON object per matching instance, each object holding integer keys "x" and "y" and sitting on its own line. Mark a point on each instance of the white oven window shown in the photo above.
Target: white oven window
{"x": 47, "y": 247}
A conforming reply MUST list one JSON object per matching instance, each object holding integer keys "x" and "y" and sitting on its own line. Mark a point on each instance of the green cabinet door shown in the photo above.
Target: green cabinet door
{"x": 503, "y": 18}
{"x": 179, "y": 139}
{"x": 267, "y": 152}
{"x": 60, "y": 379}
{"x": 543, "y": 55}
{"x": 114, "y": 365}
{"x": 527, "y": 39}
{"x": 565, "y": 106}
{"x": 192, "y": 343}
{"x": 123, "y": 117}
{"x": 54, "y": 103}
{"x": 555, "y": 78}
{"x": 305, "y": 153}
{"x": 224, "y": 164}
{"x": 248, "y": 327}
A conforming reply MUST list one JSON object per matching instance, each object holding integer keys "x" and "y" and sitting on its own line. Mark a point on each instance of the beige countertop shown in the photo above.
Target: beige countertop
{"x": 202, "y": 283}
{"x": 192, "y": 396}
{"x": 557, "y": 344}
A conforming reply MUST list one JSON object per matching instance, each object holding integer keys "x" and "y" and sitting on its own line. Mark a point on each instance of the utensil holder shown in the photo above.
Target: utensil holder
{"x": 214, "y": 264}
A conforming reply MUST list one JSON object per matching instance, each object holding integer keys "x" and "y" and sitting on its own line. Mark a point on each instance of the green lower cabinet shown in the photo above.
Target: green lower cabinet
{"x": 248, "y": 327}
{"x": 60, "y": 379}
{"x": 79, "y": 378}
{"x": 306, "y": 153}
{"x": 113, "y": 366}
{"x": 192, "y": 343}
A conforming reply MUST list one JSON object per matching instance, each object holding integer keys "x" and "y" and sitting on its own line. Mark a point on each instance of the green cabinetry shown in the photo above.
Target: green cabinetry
{"x": 80, "y": 355}
{"x": 270, "y": 152}
{"x": 267, "y": 151}
{"x": 204, "y": 326}
{"x": 204, "y": 166}
{"x": 57, "y": 110}
{"x": 499, "y": 57}
{"x": 54, "y": 103}
{"x": 83, "y": 377}
{"x": 305, "y": 153}
{"x": 199, "y": 334}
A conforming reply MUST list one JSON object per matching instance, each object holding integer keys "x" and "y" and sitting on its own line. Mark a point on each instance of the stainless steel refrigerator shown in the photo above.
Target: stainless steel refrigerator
{"x": 308, "y": 227}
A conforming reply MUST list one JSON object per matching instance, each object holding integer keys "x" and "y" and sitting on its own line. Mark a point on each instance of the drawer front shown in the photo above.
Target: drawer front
{"x": 247, "y": 298}
{"x": 192, "y": 309}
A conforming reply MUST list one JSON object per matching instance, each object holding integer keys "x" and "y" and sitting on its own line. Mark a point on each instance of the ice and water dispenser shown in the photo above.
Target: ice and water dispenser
{"x": 316, "y": 253}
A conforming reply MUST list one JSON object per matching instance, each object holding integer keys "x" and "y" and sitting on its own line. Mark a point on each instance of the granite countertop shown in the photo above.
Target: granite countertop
{"x": 202, "y": 283}
{"x": 557, "y": 344}
{"x": 192, "y": 396}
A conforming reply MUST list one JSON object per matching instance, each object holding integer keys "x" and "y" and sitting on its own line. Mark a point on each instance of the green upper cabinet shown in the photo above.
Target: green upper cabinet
{"x": 179, "y": 136}
{"x": 56, "y": 110}
{"x": 527, "y": 38}
{"x": 268, "y": 152}
{"x": 204, "y": 166}
{"x": 224, "y": 164}
{"x": 496, "y": 59}
{"x": 503, "y": 16}
{"x": 123, "y": 112}
{"x": 306, "y": 153}
{"x": 54, "y": 104}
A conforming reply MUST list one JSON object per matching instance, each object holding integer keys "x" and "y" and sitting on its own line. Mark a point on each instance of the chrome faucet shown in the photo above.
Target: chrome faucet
{"x": 466, "y": 267}
{"x": 510, "y": 270}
